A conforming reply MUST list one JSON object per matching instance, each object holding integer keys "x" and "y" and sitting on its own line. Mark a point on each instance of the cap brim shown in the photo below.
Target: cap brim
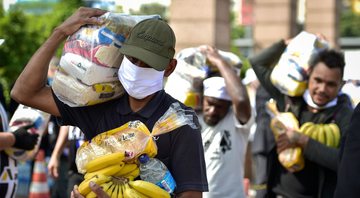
{"x": 155, "y": 61}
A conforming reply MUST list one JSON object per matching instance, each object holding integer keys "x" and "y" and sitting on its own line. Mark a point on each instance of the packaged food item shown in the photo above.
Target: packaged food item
{"x": 74, "y": 93}
{"x": 290, "y": 73}
{"x": 185, "y": 83}
{"x": 133, "y": 138}
{"x": 24, "y": 116}
{"x": 91, "y": 58}
{"x": 291, "y": 158}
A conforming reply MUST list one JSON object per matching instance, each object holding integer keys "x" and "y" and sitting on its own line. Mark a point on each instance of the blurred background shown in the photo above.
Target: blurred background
{"x": 241, "y": 26}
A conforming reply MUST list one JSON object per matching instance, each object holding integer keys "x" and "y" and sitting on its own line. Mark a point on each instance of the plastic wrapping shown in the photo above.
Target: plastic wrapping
{"x": 74, "y": 93}
{"x": 290, "y": 73}
{"x": 90, "y": 57}
{"x": 185, "y": 83}
{"x": 133, "y": 138}
{"x": 291, "y": 158}
{"x": 26, "y": 116}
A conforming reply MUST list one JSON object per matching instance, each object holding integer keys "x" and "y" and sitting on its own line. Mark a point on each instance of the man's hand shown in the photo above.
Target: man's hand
{"x": 53, "y": 166}
{"x": 24, "y": 139}
{"x": 212, "y": 55}
{"x": 291, "y": 139}
{"x": 82, "y": 16}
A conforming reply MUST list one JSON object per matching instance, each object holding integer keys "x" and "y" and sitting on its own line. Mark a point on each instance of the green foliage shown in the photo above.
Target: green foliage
{"x": 349, "y": 25}
{"x": 20, "y": 43}
{"x": 151, "y": 8}
{"x": 24, "y": 32}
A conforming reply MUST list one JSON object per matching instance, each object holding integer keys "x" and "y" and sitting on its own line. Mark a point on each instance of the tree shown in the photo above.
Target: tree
{"x": 349, "y": 25}
{"x": 24, "y": 32}
{"x": 152, "y": 8}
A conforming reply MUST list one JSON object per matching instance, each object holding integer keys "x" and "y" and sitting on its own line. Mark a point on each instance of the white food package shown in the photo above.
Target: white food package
{"x": 24, "y": 116}
{"x": 290, "y": 73}
{"x": 90, "y": 61}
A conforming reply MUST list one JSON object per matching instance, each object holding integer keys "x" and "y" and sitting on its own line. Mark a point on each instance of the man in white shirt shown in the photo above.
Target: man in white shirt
{"x": 226, "y": 120}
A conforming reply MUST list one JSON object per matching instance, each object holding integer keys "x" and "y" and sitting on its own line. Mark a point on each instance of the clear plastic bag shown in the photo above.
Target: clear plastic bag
{"x": 290, "y": 73}
{"x": 24, "y": 116}
{"x": 91, "y": 56}
{"x": 185, "y": 83}
{"x": 292, "y": 158}
{"x": 133, "y": 138}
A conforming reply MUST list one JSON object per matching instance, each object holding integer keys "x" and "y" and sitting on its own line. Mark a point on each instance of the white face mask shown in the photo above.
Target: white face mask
{"x": 139, "y": 82}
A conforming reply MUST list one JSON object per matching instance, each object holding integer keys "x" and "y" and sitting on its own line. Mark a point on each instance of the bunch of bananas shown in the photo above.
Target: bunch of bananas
{"x": 327, "y": 134}
{"x": 117, "y": 178}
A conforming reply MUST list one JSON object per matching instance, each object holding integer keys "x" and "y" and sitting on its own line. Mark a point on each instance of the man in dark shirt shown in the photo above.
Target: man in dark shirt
{"x": 149, "y": 52}
{"x": 322, "y": 103}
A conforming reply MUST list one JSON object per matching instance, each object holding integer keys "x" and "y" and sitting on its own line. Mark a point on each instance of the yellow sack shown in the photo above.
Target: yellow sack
{"x": 291, "y": 158}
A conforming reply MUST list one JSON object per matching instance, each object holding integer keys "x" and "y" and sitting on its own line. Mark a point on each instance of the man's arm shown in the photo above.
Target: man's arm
{"x": 190, "y": 194}
{"x": 7, "y": 140}
{"x": 234, "y": 86}
{"x": 30, "y": 88}
{"x": 263, "y": 63}
{"x": 20, "y": 138}
{"x": 58, "y": 149}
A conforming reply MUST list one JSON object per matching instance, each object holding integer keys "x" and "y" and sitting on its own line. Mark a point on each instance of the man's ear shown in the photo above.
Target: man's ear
{"x": 170, "y": 68}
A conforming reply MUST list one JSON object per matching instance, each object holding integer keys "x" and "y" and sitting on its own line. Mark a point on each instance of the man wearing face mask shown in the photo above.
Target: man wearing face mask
{"x": 149, "y": 52}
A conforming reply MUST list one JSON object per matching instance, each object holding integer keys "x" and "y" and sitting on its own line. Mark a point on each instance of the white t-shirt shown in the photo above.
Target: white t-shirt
{"x": 225, "y": 147}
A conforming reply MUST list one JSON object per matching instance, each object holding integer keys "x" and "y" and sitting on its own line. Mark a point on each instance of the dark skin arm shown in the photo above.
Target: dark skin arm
{"x": 234, "y": 86}
{"x": 30, "y": 88}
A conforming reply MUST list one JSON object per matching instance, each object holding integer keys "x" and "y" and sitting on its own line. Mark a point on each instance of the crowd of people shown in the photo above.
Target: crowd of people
{"x": 207, "y": 160}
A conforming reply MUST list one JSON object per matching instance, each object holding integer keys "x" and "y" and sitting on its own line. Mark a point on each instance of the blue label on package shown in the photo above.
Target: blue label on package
{"x": 168, "y": 183}
{"x": 38, "y": 122}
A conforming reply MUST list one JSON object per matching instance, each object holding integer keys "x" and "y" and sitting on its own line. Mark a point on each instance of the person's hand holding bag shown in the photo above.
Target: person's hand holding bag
{"x": 24, "y": 139}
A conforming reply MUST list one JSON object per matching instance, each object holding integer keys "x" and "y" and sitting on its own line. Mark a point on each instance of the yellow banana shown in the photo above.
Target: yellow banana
{"x": 106, "y": 186}
{"x": 330, "y": 139}
{"x": 110, "y": 190}
{"x": 132, "y": 193}
{"x": 308, "y": 130}
{"x": 84, "y": 187}
{"x": 277, "y": 127}
{"x": 91, "y": 194}
{"x": 104, "y": 161}
{"x": 126, "y": 169}
{"x": 336, "y": 132}
{"x": 115, "y": 192}
{"x": 321, "y": 134}
{"x": 120, "y": 191}
{"x": 292, "y": 159}
{"x": 314, "y": 132}
{"x": 108, "y": 171}
{"x": 149, "y": 189}
{"x": 123, "y": 190}
{"x": 133, "y": 174}
{"x": 304, "y": 127}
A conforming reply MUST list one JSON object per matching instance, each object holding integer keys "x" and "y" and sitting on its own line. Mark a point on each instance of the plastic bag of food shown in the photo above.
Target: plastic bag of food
{"x": 74, "y": 93}
{"x": 291, "y": 158}
{"x": 91, "y": 57}
{"x": 290, "y": 73}
{"x": 133, "y": 138}
{"x": 185, "y": 83}
{"x": 24, "y": 116}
